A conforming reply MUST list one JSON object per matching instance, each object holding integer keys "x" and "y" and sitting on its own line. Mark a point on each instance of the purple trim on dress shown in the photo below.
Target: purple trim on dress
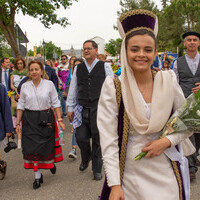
{"x": 136, "y": 21}
{"x": 106, "y": 190}
{"x": 179, "y": 169}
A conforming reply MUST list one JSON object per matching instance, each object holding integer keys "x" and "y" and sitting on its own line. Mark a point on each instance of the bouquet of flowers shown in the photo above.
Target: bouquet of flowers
{"x": 186, "y": 118}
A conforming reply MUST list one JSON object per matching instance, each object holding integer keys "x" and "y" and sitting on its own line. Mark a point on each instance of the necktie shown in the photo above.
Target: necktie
{"x": 6, "y": 79}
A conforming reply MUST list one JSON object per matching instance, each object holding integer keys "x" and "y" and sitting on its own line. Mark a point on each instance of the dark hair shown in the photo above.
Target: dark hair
{"x": 94, "y": 44}
{"x": 64, "y": 56}
{"x": 18, "y": 59}
{"x": 3, "y": 59}
{"x": 140, "y": 32}
{"x": 78, "y": 59}
{"x": 44, "y": 75}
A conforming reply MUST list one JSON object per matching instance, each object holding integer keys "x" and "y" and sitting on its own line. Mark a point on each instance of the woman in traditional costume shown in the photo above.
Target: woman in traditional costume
{"x": 131, "y": 116}
{"x": 40, "y": 140}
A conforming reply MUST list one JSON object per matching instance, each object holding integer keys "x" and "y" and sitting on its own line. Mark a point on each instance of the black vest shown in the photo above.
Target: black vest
{"x": 186, "y": 79}
{"x": 90, "y": 84}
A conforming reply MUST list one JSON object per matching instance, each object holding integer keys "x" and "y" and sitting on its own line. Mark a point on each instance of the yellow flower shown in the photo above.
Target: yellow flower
{"x": 10, "y": 93}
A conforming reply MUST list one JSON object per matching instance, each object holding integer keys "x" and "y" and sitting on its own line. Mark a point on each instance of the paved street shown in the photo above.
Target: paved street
{"x": 68, "y": 183}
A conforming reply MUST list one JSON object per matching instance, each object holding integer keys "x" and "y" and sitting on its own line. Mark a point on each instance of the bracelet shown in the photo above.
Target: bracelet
{"x": 60, "y": 120}
{"x": 17, "y": 124}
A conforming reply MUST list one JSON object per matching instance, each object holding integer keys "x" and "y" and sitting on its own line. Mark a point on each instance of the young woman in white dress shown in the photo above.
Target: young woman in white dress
{"x": 149, "y": 101}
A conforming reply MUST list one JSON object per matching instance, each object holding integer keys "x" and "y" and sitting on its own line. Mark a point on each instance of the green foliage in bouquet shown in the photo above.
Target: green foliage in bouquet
{"x": 186, "y": 118}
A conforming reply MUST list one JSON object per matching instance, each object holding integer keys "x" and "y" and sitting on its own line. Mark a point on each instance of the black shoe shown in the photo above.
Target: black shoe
{"x": 97, "y": 176}
{"x": 53, "y": 170}
{"x": 37, "y": 182}
{"x": 84, "y": 166}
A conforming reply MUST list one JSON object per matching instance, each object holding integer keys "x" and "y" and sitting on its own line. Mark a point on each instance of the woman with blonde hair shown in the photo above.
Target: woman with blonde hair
{"x": 39, "y": 131}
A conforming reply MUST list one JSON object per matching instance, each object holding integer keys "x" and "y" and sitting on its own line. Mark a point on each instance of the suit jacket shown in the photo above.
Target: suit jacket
{"x": 10, "y": 70}
{"x": 6, "y": 125}
{"x": 51, "y": 74}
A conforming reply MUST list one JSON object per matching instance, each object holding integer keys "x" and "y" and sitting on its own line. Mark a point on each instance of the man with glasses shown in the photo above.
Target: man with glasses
{"x": 64, "y": 62}
{"x": 84, "y": 91}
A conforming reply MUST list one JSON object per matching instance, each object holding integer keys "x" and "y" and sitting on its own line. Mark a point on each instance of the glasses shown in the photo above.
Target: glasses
{"x": 63, "y": 59}
{"x": 88, "y": 49}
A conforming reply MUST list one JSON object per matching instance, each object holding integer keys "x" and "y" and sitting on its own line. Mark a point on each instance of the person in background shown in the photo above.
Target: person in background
{"x": 165, "y": 58}
{"x": 5, "y": 73}
{"x": 187, "y": 69}
{"x": 39, "y": 131}
{"x": 84, "y": 91}
{"x": 51, "y": 74}
{"x": 130, "y": 120}
{"x": 165, "y": 66}
{"x": 102, "y": 57}
{"x": 72, "y": 153}
{"x": 63, "y": 75}
{"x": 157, "y": 64}
{"x": 6, "y": 125}
{"x": 16, "y": 77}
{"x": 50, "y": 63}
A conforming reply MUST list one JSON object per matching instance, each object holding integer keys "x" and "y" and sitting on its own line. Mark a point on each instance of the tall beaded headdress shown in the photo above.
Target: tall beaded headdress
{"x": 136, "y": 20}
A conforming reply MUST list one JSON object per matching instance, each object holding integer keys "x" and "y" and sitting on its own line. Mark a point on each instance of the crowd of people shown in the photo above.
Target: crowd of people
{"x": 121, "y": 109}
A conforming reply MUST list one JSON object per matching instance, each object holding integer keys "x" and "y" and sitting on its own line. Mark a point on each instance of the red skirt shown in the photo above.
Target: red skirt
{"x": 29, "y": 164}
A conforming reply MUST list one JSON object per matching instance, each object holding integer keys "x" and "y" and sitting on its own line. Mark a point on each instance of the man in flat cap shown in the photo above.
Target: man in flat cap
{"x": 187, "y": 69}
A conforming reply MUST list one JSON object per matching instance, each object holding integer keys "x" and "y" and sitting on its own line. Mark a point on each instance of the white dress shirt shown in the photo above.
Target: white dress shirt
{"x": 73, "y": 90}
{"x": 40, "y": 98}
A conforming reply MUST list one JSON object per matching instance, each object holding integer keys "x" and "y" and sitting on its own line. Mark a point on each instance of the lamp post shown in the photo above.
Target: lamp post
{"x": 43, "y": 44}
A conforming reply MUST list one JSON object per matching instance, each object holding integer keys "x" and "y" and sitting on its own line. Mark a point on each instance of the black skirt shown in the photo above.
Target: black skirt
{"x": 38, "y": 140}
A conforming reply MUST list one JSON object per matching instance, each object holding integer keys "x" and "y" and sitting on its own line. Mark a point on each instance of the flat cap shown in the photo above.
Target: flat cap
{"x": 191, "y": 33}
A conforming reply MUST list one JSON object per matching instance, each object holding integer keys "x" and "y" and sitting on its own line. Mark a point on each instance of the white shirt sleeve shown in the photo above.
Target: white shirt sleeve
{"x": 22, "y": 99}
{"x": 108, "y": 70}
{"x": 107, "y": 122}
{"x": 73, "y": 92}
{"x": 55, "y": 103}
{"x": 176, "y": 70}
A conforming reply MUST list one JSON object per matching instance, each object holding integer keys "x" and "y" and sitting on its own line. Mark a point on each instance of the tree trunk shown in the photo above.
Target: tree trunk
{"x": 7, "y": 28}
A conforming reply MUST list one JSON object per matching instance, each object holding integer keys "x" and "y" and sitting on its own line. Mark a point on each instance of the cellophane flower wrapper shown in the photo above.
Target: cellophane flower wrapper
{"x": 184, "y": 119}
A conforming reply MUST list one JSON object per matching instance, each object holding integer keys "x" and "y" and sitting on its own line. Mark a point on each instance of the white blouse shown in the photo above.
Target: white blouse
{"x": 17, "y": 80}
{"x": 40, "y": 98}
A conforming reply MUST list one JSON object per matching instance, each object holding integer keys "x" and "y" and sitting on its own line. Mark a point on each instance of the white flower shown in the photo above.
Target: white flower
{"x": 198, "y": 113}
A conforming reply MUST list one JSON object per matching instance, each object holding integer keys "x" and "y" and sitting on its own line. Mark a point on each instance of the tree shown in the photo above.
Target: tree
{"x": 45, "y": 10}
{"x": 164, "y": 3}
{"x": 113, "y": 47}
{"x": 30, "y": 53}
{"x": 50, "y": 48}
{"x": 127, "y": 5}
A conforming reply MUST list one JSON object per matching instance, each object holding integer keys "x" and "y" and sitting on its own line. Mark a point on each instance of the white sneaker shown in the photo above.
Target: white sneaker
{"x": 72, "y": 154}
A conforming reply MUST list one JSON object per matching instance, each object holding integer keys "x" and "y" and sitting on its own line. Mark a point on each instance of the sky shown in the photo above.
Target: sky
{"x": 88, "y": 18}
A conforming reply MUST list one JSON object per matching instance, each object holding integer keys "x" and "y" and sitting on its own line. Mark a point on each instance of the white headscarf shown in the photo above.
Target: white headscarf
{"x": 162, "y": 98}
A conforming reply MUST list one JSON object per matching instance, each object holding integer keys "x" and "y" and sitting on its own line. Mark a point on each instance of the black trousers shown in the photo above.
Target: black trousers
{"x": 87, "y": 130}
{"x": 195, "y": 139}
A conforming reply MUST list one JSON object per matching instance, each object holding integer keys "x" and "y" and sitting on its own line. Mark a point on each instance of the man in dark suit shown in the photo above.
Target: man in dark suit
{"x": 51, "y": 74}
{"x": 5, "y": 73}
